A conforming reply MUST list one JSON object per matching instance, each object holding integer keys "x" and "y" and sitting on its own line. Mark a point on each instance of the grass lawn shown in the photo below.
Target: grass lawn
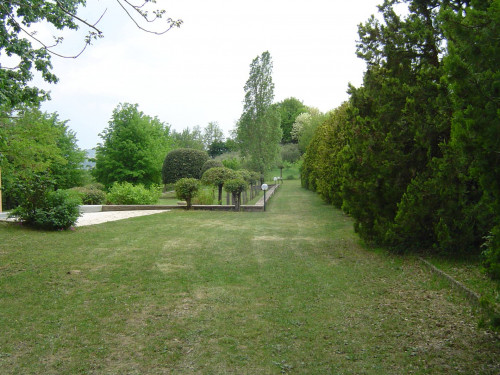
{"x": 289, "y": 173}
{"x": 290, "y": 290}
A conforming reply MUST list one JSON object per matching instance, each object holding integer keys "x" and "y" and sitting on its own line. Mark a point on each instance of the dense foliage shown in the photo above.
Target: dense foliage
{"x": 91, "y": 194}
{"x": 133, "y": 148}
{"x": 183, "y": 163}
{"x": 34, "y": 142}
{"x": 43, "y": 208}
{"x": 218, "y": 176}
{"x": 258, "y": 129}
{"x": 211, "y": 163}
{"x": 126, "y": 193}
{"x": 186, "y": 189}
{"x": 290, "y": 153}
{"x": 189, "y": 138}
{"x": 414, "y": 155}
{"x": 16, "y": 16}
{"x": 289, "y": 109}
{"x": 236, "y": 186}
{"x": 304, "y": 127}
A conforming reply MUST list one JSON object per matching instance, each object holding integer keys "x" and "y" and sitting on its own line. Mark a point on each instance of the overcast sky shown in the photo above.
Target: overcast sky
{"x": 195, "y": 74}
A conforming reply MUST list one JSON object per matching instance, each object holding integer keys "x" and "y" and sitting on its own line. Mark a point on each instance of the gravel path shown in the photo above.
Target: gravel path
{"x": 91, "y": 218}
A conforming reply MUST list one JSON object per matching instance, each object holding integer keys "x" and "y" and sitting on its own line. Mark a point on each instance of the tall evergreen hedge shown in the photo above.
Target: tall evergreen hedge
{"x": 414, "y": 156}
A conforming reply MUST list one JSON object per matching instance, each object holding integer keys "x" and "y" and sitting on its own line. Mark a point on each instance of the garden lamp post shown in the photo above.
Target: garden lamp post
{"x": 264, "y": 187}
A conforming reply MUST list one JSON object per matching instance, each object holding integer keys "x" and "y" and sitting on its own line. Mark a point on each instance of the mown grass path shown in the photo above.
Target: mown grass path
{"x": 286, "y": 291}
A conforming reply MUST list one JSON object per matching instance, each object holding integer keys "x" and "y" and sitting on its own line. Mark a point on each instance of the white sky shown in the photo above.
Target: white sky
{"x": 195, "y": 74}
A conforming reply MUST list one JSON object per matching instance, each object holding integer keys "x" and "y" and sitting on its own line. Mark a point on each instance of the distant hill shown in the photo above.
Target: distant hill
{"x": 87, "y": 163}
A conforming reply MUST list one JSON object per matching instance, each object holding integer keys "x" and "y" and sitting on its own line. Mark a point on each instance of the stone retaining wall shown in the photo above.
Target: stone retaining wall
{"x": 258, "y": 207}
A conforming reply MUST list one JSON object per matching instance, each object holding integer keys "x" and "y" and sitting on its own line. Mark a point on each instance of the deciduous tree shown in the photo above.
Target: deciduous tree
{"x": 133, "y": 148}
{"x": 189, "y": 138}
{"x": 211, "y": 134}
{"x": 258, "y": 130}
{"x": 24, "y": 51}
{"x": 218, "y": 176}
{"x": 289, "y": 109}
{"x": 37, "y": 142}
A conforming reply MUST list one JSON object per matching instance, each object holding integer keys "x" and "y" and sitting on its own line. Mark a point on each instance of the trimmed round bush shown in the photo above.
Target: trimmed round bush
{"x": 218, "y": 176}
{"x": 254, "y": 177}
{"x": 211, "y": 163}
{"x": 236, "y": 186}
{"x": 186, "y": 189}
{"x": 183, "y": 163}
{"x": 245, "y": 174}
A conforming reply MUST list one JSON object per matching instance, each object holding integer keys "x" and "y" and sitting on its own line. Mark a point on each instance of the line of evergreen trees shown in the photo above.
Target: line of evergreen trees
{"x": 414, "y": 155}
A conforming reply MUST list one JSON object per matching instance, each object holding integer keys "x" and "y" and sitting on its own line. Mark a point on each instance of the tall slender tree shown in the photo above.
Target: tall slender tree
{"x": 259, "y": 132}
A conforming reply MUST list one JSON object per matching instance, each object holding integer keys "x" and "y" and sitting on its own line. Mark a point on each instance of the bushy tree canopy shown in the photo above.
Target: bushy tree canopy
{"x": 289, "y": 109}
{"x": 305, "y": 125}
{"x": 189, "y": 138}
{"x": 236, "y": 186}
{"x": 211, "y": 134}
{"x": 133, "y": 148}
{"x": 211, "y": 163}
{"x": 186, "y": 189}
{"x": 218, "y": 176}
{"x": 183, "y": 163}
{"x": 37, "y": 142}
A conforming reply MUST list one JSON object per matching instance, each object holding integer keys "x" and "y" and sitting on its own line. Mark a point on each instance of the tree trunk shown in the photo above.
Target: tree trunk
{"x": 219, "y": 201}
{"x": 236, "y": 201}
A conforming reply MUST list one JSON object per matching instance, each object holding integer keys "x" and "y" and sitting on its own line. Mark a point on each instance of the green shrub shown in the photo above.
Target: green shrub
{"x": 204, "y": 196}
{"x": 232, "y": 163}
{"x": 245, "y": 174}
{"x": 95, "y": 186}
{"x": 61, "y": 211}
{"x": 217, "y": 177}
{"x": 211, "y": 163}
{"x": 236, "y": 186}
{"x": 57, "y": 210}
{"x": 183, "y": 163}
{"x": 491, "y": 253}
{"x": 290, "y": 152}
{"x": 91, "y": 194}
{"x": 255, "y": 178}
{"x": 126, "y": 193}
{"x": 186, "y": 189}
